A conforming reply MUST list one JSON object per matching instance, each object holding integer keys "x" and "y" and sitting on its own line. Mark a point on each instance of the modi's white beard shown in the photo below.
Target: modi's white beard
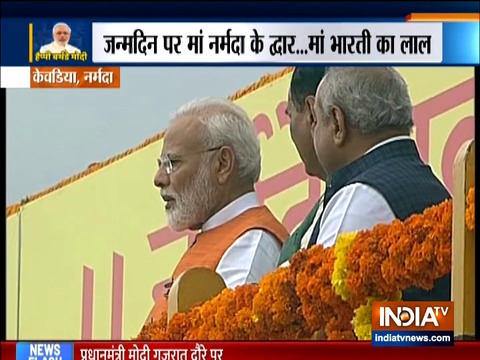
{"x": 193, "y": 205}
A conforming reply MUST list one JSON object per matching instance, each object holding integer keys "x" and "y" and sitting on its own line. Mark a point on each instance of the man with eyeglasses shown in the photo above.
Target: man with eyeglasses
{"x": 207, "y": 172}
{"x": 61, "y": 37}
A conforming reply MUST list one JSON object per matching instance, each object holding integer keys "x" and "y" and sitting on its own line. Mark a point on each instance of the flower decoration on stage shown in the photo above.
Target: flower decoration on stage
{"x": 470, "y": 211}
{"x": 327, "y": 293}
{"x": 322, "y": 308}
{"x": 276, "y": 309}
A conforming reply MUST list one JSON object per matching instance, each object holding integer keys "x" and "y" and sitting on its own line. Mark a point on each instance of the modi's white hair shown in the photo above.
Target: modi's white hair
{"x": 227, "y": 124}
{"x": 61, "y": 24}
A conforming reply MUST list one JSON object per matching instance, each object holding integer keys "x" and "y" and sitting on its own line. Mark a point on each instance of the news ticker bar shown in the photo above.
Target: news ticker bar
{"x": 60, "y": 77}
{"x": 226, "y": 350}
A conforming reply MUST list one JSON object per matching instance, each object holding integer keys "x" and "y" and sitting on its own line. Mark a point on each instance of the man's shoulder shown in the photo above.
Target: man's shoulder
{"x": 72, "y": 49}
{"x": 259, "y": 235}
{"x": 358, "y": 193}
{"x": 45, "y": 48}
{"x": 401, "y": 179}
{"x": 262, "y": 218}
{"x": 404, "y": 195}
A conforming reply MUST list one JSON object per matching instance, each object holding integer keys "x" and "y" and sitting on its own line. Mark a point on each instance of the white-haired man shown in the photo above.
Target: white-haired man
{"x": 361, "y": 134}
{"x": 209, "y": 165}
{"x": 61, "y": 36}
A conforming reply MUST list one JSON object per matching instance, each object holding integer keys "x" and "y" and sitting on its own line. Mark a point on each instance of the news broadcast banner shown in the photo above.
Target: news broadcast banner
{"x": 109, "y": 45}
{"x": 209, "y": 350}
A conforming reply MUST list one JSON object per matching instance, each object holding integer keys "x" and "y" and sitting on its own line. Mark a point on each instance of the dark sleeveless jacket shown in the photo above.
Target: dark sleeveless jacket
{"x": 409, "y": 186}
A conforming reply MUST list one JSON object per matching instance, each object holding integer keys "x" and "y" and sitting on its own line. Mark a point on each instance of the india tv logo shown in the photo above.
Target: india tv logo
{"x": 412, "y": 323}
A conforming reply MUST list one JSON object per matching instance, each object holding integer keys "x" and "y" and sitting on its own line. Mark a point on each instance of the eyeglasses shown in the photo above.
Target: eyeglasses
{"x": 167, "y": 161}
{"x": 61, "y": 33}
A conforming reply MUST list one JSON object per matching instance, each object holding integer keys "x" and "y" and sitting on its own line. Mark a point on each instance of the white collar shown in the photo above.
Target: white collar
{"x": 232, "y": 210}
{"x": 60, "y": 45}
{"x": 385, "y": 142}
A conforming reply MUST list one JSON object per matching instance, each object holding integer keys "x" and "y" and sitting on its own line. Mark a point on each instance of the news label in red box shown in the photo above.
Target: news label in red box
{"x": 412, "y": 323}
{"x": 75, "y": 77}
{"x": 44, "y": 351}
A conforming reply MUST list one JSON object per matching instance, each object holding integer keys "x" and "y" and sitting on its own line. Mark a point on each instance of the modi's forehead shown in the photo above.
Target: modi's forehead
{"x": 183, "y": 135}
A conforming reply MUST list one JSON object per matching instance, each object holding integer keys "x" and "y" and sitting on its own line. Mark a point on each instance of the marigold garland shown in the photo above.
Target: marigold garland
{"x": 470, "y": 209}
{"x": 362, "y": 319}
{"x": 217, "y": 319}
{"x": 322, "y": 308}
{"x": 154, "y": 330}
{"x": 391, "y": 258}
{"x": 327, "y": 292}
{"x": 276, "y": 308}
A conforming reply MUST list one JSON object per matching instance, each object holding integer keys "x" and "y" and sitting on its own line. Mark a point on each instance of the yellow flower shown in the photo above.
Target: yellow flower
{"x": 362, "y": 320}
{"x": 340, "y": 271}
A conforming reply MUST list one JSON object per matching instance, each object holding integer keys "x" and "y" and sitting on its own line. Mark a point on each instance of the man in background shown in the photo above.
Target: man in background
{"x": 61, "y": 37}
{"x": 209, "y": 165}
{"x": 361, "y": 134}
{"x": 301, "y": 97}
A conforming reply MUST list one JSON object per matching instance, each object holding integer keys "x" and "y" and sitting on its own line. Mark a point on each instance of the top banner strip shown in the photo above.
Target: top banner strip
{"x": 203, "y": 10}
{"x": 467, "y": 17}
{"x": 213, "y": 43}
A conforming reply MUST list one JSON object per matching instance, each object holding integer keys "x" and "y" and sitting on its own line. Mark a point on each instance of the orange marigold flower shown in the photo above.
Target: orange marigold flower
{"x": 393, "y": 257}
{"x": 337, "y": 329}
{"x": 276, "y": 310}
{"x": 179, "y": 325}
{"x": 217, "y": 319}
{"x": 364, "y": 263}
{"x": 320, "y": 304}
{"x": 431, "y": 259}
{"x": 470, "y": 211}
{"x": 154, "y": 330}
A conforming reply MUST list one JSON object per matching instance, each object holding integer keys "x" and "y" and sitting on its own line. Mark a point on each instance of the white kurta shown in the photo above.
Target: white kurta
{"x": 55, "y": 48}
{"x": 355, "y": 207}
{"x": 253, "y": 254}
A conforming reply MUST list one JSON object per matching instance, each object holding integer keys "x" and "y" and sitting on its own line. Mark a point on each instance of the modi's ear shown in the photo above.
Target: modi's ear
{"x": 225, "y": 164}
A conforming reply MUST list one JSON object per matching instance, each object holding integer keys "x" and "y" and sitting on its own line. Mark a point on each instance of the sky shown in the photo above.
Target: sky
{"x": 55, "y": 133}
